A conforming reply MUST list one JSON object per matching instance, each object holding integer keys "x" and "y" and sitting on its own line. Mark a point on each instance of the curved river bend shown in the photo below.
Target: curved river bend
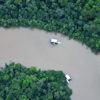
{"x": 32, "y": 47}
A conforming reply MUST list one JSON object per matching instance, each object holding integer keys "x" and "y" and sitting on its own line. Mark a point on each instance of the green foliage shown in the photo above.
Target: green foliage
{"x": 78, "y": 19}
{"x": 33, "y": 69}
{"x": 20, "y": 83}
{"x": 1, "y": 98}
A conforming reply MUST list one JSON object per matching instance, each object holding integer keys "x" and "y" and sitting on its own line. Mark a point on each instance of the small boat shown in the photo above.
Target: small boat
{"x": 68, "y": 78}
{"x": 54, "y": 41}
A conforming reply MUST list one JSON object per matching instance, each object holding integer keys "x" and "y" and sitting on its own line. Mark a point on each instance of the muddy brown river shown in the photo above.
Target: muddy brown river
{"x": 32, "y": 47}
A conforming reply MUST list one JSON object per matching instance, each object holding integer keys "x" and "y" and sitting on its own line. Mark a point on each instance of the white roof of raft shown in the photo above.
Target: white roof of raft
{"x": 53, "y": 40}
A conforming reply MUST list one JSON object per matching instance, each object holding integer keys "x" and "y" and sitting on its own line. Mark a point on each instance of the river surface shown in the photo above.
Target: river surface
{"x": 32, "y": 47}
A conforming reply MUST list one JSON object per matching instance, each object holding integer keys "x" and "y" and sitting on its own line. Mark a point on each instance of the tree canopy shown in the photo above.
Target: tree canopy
{"x": 20, "y": 83}
{"x": 78, "y": 19}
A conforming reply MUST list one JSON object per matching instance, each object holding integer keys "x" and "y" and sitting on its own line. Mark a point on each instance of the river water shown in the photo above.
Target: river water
{"x": 32, "y": 47}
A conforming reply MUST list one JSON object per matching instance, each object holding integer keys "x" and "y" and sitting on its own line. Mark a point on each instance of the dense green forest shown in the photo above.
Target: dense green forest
{"x": 78, "y": 19}
{"x": 20, "y": 83}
